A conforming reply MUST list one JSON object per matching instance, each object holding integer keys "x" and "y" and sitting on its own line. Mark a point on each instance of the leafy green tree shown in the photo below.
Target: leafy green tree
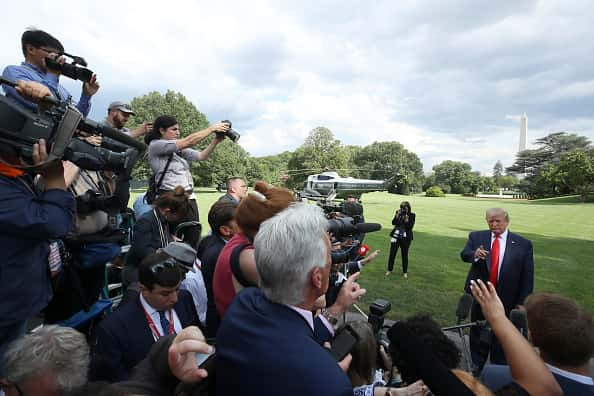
{"x": 457, "y": 175}
{"x": 507, "y": 182}
{"x": 320, "y": 152}
{"x": 429, "y": 181}
{"x": 539, "y": 165}
{"x": 498, "y": 169}
{"x": 228, "y": 159}
{"x": 270, "y": 168}
{"x": 390, "y": 161}
{"x": 576, "y": 171}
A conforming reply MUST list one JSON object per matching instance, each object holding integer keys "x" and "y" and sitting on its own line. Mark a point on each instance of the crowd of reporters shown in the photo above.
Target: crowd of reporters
{"x": 266, "y": 289}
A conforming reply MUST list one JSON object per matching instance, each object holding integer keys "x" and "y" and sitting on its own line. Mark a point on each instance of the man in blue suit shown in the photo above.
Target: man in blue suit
{"x": 125, "y": 337}
{"x": 266, "y": 344}
{"x": 506, "y": 260}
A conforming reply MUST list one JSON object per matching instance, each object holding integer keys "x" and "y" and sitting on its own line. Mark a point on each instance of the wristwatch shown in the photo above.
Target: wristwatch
{"x": 333, "y": 320}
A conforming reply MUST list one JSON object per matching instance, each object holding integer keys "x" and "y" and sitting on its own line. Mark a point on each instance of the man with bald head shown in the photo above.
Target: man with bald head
{"x": 505, "y": 259}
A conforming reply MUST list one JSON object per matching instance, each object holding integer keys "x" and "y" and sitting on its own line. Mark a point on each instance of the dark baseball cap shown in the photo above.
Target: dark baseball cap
{"x": 182, "y": 253}
{"x": 121, "y": 106}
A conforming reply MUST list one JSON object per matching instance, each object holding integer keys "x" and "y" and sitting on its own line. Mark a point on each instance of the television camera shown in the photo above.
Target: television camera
{"x": 62, "y": 126}
{"x": 345, "y": 223}
{"x": 72, "y": 69}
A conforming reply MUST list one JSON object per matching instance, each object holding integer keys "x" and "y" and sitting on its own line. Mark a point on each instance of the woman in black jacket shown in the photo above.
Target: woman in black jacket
{"x": 401, "y": 236}
{"x": 154, "y": 230}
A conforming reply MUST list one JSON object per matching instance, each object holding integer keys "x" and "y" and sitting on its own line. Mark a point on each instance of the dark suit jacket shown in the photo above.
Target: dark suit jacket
{"x": 268, "y": 349}
{"x": 146, "y": 240}
{"x": 516, "y": 277}
{"x": 208, "y": 264}
{"x": 124, "y": 337}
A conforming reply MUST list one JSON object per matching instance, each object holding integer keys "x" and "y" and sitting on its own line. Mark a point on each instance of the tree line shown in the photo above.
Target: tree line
{"x": 550, "y": 169}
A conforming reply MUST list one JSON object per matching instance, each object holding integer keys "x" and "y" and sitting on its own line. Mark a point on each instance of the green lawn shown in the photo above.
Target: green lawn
{"x": 561, "y": 230}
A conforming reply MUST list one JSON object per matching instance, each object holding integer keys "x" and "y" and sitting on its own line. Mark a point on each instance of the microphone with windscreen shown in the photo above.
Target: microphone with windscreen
{"x": 519, "y": 319}
{"x": 464, "y": 305}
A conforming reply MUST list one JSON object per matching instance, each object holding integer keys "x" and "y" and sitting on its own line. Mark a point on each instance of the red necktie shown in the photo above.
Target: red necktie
{"x": 493, "y": 271}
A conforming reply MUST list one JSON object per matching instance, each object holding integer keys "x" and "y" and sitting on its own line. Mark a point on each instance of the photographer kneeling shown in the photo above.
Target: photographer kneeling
{"x": 29, "y": 218}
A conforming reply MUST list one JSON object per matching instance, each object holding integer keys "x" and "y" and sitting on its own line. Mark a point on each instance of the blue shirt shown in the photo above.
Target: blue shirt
{"x": 29, "y": 72}
{"x": 28, "y": 220}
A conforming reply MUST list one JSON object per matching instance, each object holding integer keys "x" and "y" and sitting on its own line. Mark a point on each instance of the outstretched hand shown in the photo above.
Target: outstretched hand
{"x": 349, "y": 293}
{"x": 90, "y": 88}
{"x": 182, "y": 355}
{"x": 486, "y": 296}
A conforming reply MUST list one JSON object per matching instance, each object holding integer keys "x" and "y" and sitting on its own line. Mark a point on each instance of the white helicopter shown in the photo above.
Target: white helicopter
{"x": 326, "y": 184}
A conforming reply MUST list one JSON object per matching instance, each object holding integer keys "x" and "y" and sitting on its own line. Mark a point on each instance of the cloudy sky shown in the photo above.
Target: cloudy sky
{"x": 445, "y": 78}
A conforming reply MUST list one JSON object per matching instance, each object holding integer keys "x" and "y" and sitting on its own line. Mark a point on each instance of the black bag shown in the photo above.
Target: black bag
{"x": 153, "y": 188}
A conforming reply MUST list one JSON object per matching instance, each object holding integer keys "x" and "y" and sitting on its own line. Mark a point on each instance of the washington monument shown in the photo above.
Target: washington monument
{"x": 523, "y": 132}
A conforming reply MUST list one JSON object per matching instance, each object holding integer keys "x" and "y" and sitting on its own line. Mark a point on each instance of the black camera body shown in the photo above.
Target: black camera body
{"x": 92, "y": 201}
{"x": 59, "y": 126}
{"x": 71, "y": 70}
{"x": 231, "y": 133}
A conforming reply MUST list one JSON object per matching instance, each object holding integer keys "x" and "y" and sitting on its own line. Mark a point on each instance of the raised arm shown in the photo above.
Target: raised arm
{"x": 196, "y": 137}
{"x": 527, "y": 369}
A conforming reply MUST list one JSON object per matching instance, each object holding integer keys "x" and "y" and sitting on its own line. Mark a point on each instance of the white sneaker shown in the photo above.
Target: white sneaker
{"x": 405, "y": 275}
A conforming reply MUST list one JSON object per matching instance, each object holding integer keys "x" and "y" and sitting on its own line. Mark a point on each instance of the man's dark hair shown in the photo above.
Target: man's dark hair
{"x": 561, "y": 329}
{"x": 166, "y": 277}
{"x": 230, "y": 180}
{"x": 444, "y": 349}
{"x": 39, "y": 38}
{"x": 220, "y": 214}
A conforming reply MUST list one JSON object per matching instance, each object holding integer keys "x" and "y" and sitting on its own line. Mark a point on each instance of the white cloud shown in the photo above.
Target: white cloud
{"x": 439, "y": 77}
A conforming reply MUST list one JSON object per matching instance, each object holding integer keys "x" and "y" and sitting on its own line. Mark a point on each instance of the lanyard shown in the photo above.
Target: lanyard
{"x": 156, "y": 333}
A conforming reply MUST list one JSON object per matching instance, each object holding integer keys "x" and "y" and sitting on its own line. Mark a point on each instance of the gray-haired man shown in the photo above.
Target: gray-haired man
{"x": 48, "y": 362}
{"x": 275, "y": 322}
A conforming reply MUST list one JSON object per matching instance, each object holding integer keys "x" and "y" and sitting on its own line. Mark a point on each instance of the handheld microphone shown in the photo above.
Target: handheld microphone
{"x": 519, "y": 319}
{"x": 464, "y": 306}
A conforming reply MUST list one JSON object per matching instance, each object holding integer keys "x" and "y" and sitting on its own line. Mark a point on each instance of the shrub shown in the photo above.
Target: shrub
{"x": 434, "y": 191}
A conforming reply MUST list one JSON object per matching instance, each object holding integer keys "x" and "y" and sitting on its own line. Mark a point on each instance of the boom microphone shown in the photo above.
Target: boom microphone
{"x": 367, "y": 227}
{"x": 519, "y": 319}
{"x": 464, "y": 306}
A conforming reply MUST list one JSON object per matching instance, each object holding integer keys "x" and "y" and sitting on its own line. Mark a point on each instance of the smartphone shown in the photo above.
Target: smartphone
{"x": 202, "y": 359}
{"x": 344, "y": 341}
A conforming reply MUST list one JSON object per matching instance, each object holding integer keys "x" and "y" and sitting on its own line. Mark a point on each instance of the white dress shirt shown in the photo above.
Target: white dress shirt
{"x": 154, "y": 314}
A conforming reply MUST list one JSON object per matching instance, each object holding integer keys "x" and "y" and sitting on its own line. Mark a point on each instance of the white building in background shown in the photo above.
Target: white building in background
{"x": 523, "y": 132}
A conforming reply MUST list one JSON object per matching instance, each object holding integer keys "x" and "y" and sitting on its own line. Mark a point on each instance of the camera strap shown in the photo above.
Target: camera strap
{"x": 158, "y": 185}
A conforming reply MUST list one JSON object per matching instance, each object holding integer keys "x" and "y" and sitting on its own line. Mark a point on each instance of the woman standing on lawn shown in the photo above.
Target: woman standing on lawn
{"x": 401, "y": 236}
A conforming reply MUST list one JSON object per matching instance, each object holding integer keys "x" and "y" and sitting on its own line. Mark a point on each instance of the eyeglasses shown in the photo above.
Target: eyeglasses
{"x": 160, "y": 267}
{"x": 49, "y": 50}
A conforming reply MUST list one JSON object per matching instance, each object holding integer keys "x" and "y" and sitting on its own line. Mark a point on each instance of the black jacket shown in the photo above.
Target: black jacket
{"x": 400, "y": 223}
{"x": 124, "y": 337}
{"x": 146, "y": 239}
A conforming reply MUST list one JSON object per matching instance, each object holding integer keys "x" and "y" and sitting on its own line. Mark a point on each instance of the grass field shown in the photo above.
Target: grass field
{"x": 562, "y": 231}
